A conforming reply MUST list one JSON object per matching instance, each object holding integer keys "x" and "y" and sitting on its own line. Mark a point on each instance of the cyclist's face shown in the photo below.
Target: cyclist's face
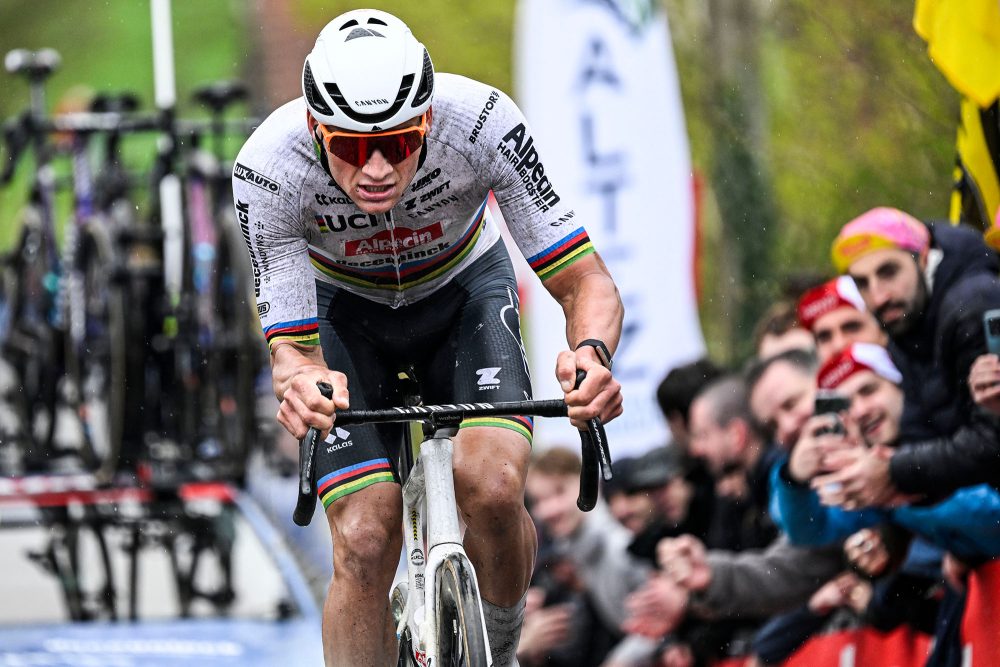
{"x": 378, "y": 185}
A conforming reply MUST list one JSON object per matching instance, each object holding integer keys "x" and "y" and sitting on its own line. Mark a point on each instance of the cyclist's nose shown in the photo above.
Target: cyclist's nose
{"x": 377, "y": 166}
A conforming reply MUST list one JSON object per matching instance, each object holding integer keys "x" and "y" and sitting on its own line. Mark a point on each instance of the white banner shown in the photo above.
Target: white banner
{"x": 597, "y": 81}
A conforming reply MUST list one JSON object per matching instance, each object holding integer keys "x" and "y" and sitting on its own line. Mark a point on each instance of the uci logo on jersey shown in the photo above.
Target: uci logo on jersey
{"x": 329, "y": 223}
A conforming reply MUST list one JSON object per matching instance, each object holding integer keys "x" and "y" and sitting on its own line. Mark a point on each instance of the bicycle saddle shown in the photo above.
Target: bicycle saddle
{"x": 220, "y": 94}
{"x": 33, "y": 64}
{"x": 115, "y": 103}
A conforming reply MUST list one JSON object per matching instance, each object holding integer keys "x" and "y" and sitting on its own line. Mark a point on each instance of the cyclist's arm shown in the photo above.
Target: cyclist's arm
{"x": 590, "y": 302}
{"x": 593, "y": 310}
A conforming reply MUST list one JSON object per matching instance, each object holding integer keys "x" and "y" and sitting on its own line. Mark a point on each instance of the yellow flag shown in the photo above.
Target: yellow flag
{"x": 963, "y": 39}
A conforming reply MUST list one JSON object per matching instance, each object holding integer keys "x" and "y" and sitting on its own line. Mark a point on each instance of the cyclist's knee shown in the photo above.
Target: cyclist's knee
{"x": 366, "y": 529}
{"x": 489, "y": 476}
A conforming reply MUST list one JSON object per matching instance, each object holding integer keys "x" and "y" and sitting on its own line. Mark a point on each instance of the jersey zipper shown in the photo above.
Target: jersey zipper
{"x": 398, "y": 299}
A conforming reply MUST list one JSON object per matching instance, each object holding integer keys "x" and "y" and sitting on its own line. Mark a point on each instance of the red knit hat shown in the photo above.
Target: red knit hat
{"x": 828, "y": 297}
{"x": 855, "y": 358}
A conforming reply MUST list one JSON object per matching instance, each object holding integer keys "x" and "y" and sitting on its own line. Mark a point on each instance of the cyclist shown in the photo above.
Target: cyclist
{"x": 364, "y": 207}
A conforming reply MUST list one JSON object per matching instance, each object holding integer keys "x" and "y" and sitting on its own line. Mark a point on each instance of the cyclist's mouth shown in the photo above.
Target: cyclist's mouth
{"x": 375, "y": 192}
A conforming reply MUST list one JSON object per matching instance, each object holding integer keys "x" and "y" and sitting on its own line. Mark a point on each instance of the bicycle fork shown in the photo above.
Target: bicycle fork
{"x": 430, "y": 487}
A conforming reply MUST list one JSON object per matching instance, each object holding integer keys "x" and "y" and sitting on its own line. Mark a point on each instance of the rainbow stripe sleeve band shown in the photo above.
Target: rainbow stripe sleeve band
{"x": 561, "y": 254}
{"x": 303, "y": 332}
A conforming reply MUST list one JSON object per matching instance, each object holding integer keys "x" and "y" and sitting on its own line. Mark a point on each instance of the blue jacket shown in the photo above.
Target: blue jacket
{"x": 966, "y": 523}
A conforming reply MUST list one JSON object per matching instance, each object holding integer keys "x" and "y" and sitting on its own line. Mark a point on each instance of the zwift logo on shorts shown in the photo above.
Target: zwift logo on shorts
{"x": 488, "y": 378}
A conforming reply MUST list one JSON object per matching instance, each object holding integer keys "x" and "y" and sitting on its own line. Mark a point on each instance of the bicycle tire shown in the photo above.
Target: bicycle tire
{"x": 102, "y": 359}
{"x": 397, "y": 605}
{"x": 461, "y": 639}
{"x": 31, "y": 344}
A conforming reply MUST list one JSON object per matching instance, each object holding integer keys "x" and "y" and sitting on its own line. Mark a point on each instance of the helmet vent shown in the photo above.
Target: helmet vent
{"x": 426, "y": 86}
{"x": 379, "y": 117}
{"x": 378, "y": 21}
{"x": 313, "y": 95}
{"x": 361, "y": 32}
{"x": 349, "y": 24}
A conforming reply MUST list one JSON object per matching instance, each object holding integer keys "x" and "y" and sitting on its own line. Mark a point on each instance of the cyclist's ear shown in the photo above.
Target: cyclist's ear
{"x": 314, "y": 133}
{"x": 317, "y": 140}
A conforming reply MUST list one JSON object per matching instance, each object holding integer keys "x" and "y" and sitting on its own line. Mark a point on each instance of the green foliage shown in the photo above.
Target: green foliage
{"x": 855, "y": 116}
{"x": 859, "y": 118}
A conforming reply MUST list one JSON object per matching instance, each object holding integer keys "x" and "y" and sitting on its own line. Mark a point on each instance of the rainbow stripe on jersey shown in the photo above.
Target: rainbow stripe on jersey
{"x": 561, "y": 254}
{"x": 303, "y": 332}
{"x": 346, "y": 481}
{"x": 415, "y": 266}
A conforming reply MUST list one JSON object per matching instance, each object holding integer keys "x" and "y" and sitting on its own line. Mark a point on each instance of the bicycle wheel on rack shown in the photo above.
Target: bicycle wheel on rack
{"x": 101, "y": 357}
{"x": 461, "y": 639}
{"x": 31, "y": 345}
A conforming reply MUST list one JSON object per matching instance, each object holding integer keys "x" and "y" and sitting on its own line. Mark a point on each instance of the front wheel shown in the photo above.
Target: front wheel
{"x": 461, "y": 639}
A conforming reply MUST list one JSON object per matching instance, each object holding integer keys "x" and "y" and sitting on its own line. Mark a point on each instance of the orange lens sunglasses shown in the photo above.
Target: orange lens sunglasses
{"x": 356, "y": 147}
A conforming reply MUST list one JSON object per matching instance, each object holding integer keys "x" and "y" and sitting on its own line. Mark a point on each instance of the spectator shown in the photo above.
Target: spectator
{"x": 678, "y": 390}
{"x": 836, "y": 315}
{"x": 725, "y": 436}
{"x": 929, "y": 287}
{"x": 593, "y": 541}
{"x": 721, "y": 585}
{"x": 984, "y": 382}
{"x": 596, "y": 546}
{"x": 967, "y": 523}
{"x": 630, "y": 503}
{"x": 675, "y": 394}
{"x": 783, "y": 635}
{"x": 779, "y": 331}
{"x": 545, "y": 629}
{"x": 782, "y": 391}
{"x": 659, "y": 475}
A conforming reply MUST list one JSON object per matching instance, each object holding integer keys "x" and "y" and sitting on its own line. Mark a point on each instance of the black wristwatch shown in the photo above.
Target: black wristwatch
{"x": 603, "y": 353}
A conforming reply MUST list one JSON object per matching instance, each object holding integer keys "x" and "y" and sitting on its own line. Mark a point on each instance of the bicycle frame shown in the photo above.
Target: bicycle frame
{"x": 430, "y": 491}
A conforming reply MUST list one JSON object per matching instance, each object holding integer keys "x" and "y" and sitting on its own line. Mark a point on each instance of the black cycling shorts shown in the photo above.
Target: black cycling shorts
{"x": 463, "y": 341}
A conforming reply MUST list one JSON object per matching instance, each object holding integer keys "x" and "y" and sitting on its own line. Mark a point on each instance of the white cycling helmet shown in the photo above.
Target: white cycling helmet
{"x": 367, "y": 73}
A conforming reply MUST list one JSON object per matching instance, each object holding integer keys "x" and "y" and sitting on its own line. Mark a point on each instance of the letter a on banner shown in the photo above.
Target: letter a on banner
{"x": 597, "y": 81}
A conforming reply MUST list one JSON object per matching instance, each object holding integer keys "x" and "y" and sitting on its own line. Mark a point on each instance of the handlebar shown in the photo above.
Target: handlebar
{"x": 305, "y": 506}
{"x": 596, "y": 456}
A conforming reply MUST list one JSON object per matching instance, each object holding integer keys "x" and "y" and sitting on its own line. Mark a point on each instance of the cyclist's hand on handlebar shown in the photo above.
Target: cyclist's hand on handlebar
{"x": 303, "y": 405}
{"x": 600, "y": 395}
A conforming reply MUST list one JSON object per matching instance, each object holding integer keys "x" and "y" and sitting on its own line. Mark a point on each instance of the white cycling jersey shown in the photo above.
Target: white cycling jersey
{"x": 300, "y": 227}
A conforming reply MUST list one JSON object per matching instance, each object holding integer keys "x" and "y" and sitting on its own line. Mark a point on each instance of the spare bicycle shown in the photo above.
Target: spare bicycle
{"x": 438, "y": 608}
